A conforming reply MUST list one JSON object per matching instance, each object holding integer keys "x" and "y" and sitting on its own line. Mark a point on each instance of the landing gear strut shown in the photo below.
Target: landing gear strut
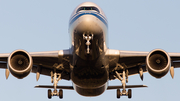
{"x": 123, "y": 80}
{"x": 55, "y": 80}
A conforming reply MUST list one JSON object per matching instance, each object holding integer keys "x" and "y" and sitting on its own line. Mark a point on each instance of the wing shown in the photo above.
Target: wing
{"x": 134, "y": 61}
{"x": 58, "y": 87}
{"x": 45, "y": 62}
{"x": 127, "y": 86}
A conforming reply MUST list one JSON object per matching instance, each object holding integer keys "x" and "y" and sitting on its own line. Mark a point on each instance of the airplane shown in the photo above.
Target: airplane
{"x": 89, "y": 63}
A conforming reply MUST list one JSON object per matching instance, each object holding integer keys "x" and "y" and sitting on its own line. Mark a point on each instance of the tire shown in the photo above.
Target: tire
{"x": 129, "y": 93}
{"x": 118, "y": 93}
{"x": 60, "y": 93}
{"x": 49, "y": 94}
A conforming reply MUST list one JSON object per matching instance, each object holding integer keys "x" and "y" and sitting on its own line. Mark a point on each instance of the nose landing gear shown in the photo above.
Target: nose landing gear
{"x": 88, "y": 36}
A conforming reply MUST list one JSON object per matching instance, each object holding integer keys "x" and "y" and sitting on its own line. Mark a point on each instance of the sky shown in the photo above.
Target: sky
{"x": 136, "y": 25}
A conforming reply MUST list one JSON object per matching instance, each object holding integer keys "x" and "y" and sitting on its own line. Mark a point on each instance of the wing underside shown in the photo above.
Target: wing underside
{"x": 133, "y": 61}
{"x": 45, "y": 62}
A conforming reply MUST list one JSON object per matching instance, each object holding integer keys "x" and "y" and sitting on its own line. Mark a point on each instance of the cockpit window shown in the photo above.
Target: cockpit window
{"x": 87, "y": 8}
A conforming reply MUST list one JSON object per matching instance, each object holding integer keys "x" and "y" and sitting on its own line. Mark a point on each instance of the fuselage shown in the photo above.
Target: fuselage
{"x": 88, "y": 30}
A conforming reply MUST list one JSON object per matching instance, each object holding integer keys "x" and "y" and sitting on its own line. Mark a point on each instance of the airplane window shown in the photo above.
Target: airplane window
{"x": 87, "y": 8}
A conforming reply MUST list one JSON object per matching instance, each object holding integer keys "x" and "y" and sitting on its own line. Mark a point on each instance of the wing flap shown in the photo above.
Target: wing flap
{"x": 58, "y": 87}
{"x": 127, "y": 86}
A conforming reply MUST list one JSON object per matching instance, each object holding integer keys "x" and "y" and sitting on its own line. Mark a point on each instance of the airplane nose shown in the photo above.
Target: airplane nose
{"x": 89, "y": 23}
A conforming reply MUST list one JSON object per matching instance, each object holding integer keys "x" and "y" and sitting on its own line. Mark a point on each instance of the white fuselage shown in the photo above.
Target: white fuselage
{"x": 88, "y": 29}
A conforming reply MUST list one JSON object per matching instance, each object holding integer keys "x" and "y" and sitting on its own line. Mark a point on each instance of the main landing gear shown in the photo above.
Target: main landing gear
{"x": 129, "y": 93}
{"x": 123, "y": 80}
{"x": 55, "y": 93}
{"x": 55, "y": 80}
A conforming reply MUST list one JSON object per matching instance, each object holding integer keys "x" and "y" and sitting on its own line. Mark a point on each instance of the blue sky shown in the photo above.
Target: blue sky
{"x": 137, "y": 25}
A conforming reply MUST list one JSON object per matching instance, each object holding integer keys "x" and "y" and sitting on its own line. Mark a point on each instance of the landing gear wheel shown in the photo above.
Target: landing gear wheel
{"x": 60, "y": 93}
{"x": 129, "y": 93}
{"x": 49, "y": 93}
{"x": 118, "y": 93}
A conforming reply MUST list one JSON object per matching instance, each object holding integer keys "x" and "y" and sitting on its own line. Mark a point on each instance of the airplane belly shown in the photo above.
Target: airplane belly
{"x": 89, "y": 73}
{"x": 90, "y": 92}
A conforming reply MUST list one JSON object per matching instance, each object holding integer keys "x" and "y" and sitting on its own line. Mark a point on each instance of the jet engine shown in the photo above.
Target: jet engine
{"x": 20, "y": 63}
{"x": 158, "y": 63}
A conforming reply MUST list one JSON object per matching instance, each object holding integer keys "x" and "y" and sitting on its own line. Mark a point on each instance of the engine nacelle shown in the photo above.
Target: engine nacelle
{"x": 158, "y": 63}
{"x": 20, "y": 63}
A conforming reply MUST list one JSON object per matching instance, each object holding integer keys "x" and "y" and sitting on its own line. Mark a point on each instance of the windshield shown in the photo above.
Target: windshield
{"x": 87, "y": 8}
